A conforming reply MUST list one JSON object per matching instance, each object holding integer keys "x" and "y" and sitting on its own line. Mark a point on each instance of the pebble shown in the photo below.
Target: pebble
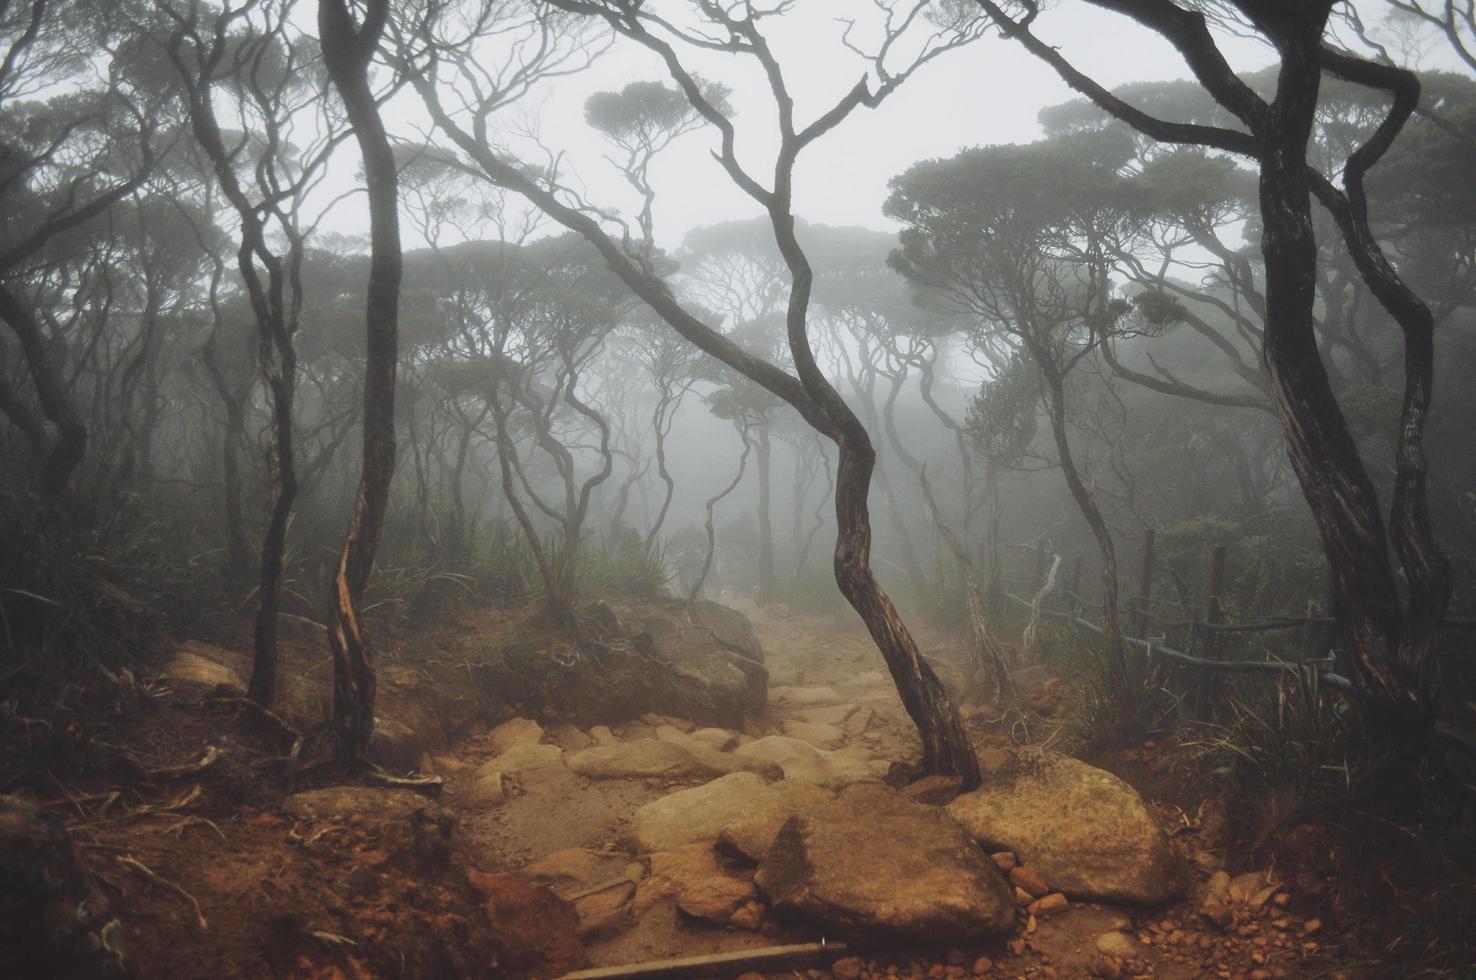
{"x": 1311, "y": 926}
{"x": 983, "y": 965}
{"x": 848, "y": 968}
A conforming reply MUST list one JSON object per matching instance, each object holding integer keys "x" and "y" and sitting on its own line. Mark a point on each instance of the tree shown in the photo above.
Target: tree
{"x": 1386, "y": 635}
{"x": 254, "y": 53}
{"x": 739, "y": 30}
{"x": 1020, "y": 237}
{"x": 348, "y": 49}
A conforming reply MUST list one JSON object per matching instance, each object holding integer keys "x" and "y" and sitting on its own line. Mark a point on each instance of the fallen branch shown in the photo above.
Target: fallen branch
{"x": 770, "y": 959}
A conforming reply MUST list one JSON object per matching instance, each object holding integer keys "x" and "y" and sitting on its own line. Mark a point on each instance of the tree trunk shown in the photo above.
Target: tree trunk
{"x": 65, "y": 453}
{"x": 347, "y": 51}
{"x": 764, "y": 458}
{"x": 1112, "y": 642}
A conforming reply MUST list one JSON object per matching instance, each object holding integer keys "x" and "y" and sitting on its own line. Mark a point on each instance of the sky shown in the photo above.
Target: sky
{"x": 988, "y": 92}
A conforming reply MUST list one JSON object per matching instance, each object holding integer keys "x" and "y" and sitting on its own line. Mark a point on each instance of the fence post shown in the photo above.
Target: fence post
{"x": 1214, "y": 606}
{"x": 1076, "y": 586}
{"x": 1037, "y": 579}
{"x": 1145, "y": 587}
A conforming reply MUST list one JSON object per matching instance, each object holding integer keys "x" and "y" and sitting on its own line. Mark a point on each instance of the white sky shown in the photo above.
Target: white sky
{"x": 989, "y": 92}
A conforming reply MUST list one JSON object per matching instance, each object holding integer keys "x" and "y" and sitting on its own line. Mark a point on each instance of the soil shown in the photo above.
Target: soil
{"x": 211, "y": 879}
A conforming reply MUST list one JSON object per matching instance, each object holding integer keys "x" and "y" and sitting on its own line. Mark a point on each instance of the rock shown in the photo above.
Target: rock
{"x": 715, "y": 760}
{"x": 983, "y": 965}
{"x": 1217, "y": 915}
{"x": 992, "y": 760}
{"x": 529, "y": 763}
{"x": 1216, "y": 890}
{"x": 717, "y": 739}
{"x": 818, "y": 734}
{"x": 603, "y": 736}
{"x": 395, "y": 746}
{"x": 933, "y": 790}
{"x": 805, "y": 695}
{"x": 205, "y": 666}
{"x": 54, "y": 921}
{"x": 605, "y": 913}
{"x": 834, "y": 714}
{"x": 703, "y": 887}
{"x": 575, "y": 869}
{"x": 749, "y": 917}
{"x": 741, "y": 800}
{"x": 1027, "y": 880}
{"x": 716, "y": 659}
{"x": 873, "y": 862}
{"x": 847, "y": 968}
{"x": 1005, "y": 860}
{"x": 1048, "y": 905}
{"x": 518, "y": 731}
{"x": 802, "y": 762}
{"x": 569, "y": 738}
{"x": 645, "y": 758}
{"x": 1083, "y": 830}
{"x": 1118, "y": 944}
{"x": 488, "y": 790}
{"x": 536, "y": 931}
{"x": 857, "y": 723}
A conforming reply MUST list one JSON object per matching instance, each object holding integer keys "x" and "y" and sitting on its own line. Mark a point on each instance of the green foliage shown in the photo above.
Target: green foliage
{"x": 90, "y": 587}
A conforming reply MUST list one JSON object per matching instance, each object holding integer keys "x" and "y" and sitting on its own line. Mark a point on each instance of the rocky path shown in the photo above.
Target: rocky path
{"x": 672, "y": 840}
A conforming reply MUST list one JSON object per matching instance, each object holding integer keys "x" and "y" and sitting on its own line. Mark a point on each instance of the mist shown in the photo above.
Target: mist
{"x": 612, "y": 489}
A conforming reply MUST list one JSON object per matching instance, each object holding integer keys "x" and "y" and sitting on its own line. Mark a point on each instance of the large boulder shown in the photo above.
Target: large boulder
{"x": 702, "y": 813}
{"x": 54, "y": 921}
{"x": 714, "y": 653}
{"x": 871, "y": 862}
{"x": 1084, "y": 831}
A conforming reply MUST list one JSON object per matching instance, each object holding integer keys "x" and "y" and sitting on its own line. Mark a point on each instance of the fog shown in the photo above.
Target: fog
{"x": 708, "y": 488}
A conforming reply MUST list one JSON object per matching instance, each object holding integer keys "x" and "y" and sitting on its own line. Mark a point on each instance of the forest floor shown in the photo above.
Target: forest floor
{"x": 217, "y": 872}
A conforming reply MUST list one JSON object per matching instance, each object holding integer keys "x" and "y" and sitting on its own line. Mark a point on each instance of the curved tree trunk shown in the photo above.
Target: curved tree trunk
{"x": 1112, "y": 643}
{"x": 347, "y": 51}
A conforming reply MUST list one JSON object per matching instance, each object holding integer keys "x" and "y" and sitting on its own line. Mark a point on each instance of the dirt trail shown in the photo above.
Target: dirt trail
{"x": 825, "y": 687}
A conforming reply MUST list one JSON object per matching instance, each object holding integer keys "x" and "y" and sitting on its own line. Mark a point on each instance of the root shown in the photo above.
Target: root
{"x": 143, "y": 869}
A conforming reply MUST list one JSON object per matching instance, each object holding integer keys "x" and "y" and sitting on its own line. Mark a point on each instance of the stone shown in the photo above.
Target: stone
{"x": 717, "y": 739}
{"x": 201, "y": 664}
{"x": 395, "y": 746}
{"x": 54, "y": 920}
{"x": 833, "y": 714}
{"x": 714, "y": 760}
{"x": 1048, "y": 905}
{"x": 570, "y": 738}
{"x": 604, "y": 913}
{"x": 805, "y": 695}
{"x": 1005, "y": 860}
{"x": 701, "y": 886}
{"x": 518, "y": 731}
{"x": 847, "y": 968}
{"x": 488, "y": 789}
{"x": 528, "y": 763}
{"x": 537, "y": 932}
{"x": 1118, "y": 944}
{"x": 1084, "y": 831}
{"x": 645, "y": 758}
{"x": 575, "y": 869}
{"x": 741, "y": 800}
{"x": 602, "y": 735}
{"x": 992, "y": 760}
{"x": 871, "y": 862}
{"x": 749, "y": 917}
{"x": 934, "y": 790}
{"x": 804, "y": 763}
{"x": 858, "y": 721}
{"x": 983, "y": 965}
{"x": 1028, "y": 881}
{"x": 818, "y": 734}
